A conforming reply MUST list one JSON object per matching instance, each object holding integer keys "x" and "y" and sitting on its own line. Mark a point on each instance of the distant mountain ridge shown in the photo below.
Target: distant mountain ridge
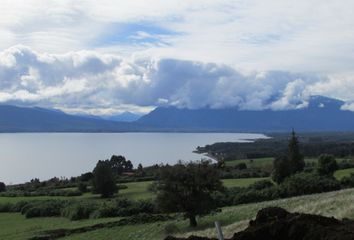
{"x": 123, "y": 117}
{"x": 23, "y": 119}
{"x": 322, "y": 114}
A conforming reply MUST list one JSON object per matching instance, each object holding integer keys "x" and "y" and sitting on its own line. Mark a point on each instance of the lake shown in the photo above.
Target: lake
{"x": 24, "y": 156}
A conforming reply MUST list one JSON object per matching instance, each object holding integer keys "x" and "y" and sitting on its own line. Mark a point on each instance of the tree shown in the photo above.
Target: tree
{"x": 188, "y": 188}
{"x": 85, "y": 177}
{"x": 103, "y": 180}
{"x": 140, "y": 171}
{"x": 119, "y": 164}
{"x": 296, "y": 159}
{"x": 327, "y": 165}
{"x": 2, "y": 187}
{"x": 281, "y": 168}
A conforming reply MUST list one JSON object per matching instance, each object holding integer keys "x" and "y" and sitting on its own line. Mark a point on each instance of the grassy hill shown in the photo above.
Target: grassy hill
{"x": 337, "y": 204}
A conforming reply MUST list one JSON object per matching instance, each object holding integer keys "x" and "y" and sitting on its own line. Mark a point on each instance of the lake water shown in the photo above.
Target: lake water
{"x": 24, "y": 156}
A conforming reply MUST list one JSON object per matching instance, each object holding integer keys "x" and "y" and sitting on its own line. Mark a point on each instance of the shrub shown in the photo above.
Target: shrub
{"x": 347, "y": 181}
{"x": 105, "y": 210}
{"x": 346, "y": 164}
{"x": 121, "y": 186}
{"x": 259, "y": 185}
{"x": 72, "y": 193}
{"x": 5, "y": 207}
{"x": 241, "y": 166}
{"x": 41, "y": 192}
{"x": 327, "y": 165}
{"x": 171, "y": 228}
{"x": 129, "y": 208}
{"x": 48, "y": 208}
{"x": 82, "y": 187}
{"x": 79, "y": 210}
{"x": 308, "y": 183}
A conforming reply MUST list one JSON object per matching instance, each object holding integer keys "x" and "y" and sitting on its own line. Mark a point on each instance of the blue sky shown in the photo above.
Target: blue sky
{"x": 110, "y": 56}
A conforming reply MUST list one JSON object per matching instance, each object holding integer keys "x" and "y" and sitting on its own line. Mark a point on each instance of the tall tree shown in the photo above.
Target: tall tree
{"x": 140, "y": 171}
{"x": 188, "y": 188}
{"x": 2, "y": 187}
{"x": 103, "y": 180}
{"x": 296, "y": 159}
{"x": 281, "y": 169}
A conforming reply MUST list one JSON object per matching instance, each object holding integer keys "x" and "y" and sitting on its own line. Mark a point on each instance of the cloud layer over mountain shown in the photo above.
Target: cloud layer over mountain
{"x": 87, "y": 81}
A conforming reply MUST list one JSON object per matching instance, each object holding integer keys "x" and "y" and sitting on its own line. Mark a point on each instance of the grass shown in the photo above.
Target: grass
{"x": 15, "y": 226}
{"x": 337, "y": 204}
{"x": 135, "y": 191}
{"x": 241, "y": 182}
{"x": 252, "y": 163}
{"x": 343, "y": 173}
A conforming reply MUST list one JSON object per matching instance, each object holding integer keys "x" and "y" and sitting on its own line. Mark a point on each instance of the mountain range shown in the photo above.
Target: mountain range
{"x": 23, "y": 119}
{"x": 322, "y": 114}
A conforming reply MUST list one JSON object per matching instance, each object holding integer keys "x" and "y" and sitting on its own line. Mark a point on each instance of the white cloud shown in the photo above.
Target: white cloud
{"x": 90, "y": 82}
{"x": 304, "y": 35}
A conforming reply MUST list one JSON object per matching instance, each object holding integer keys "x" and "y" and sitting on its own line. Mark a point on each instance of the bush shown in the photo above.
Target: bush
{"x": 327, "y": 165}
{"x": 48, "y": 208}
{"x": 5, "y": 207}
{"x": 347, "y": 181}
{"x": 82, "y": 187}
{"x": 121, "y": 186}
{"x": 241, "y": 166}
{"x": 171, "y": 228}
{"x": 308, "y": 183}
{"x": 42, "y": 192}
{"x": 346, "y": 164}
{"x": 79, "y": 210}
{"x": 259, "y": 185}
{"x": 129, "y": 208}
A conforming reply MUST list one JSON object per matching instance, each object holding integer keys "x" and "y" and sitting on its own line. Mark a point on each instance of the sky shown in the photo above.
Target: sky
{"x": 110, "y": 56}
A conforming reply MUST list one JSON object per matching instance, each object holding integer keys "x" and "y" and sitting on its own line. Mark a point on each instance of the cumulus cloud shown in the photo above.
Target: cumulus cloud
{"x": 303, "y": 35}
{"x": 94, "y": 83}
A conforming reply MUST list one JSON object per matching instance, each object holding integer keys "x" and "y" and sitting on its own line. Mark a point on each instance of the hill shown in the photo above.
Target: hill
{"x": 337, "y": 204}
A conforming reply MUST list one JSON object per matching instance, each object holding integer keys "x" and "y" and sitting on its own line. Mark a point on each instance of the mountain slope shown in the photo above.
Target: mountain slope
{"x": 123, "y": 117}
{"x": 20, "y": 119}
{"x": 322, "y": 114}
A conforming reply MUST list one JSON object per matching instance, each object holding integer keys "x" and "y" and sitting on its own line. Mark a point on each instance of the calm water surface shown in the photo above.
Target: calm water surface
{"x": 24, "y": 156}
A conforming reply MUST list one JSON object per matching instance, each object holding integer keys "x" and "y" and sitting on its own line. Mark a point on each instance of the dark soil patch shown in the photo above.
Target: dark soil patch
{"x": 278, "y": 224}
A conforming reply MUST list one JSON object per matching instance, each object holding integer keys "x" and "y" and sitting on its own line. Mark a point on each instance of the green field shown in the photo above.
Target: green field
{"x": 343, "y": 173}
{"x": 266, "y": 162}
{"x": 135, "y": 191}
{"x": 241, "y": 182}
{"x": 16, "y": 226}
{"x": 337, "y": 204}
